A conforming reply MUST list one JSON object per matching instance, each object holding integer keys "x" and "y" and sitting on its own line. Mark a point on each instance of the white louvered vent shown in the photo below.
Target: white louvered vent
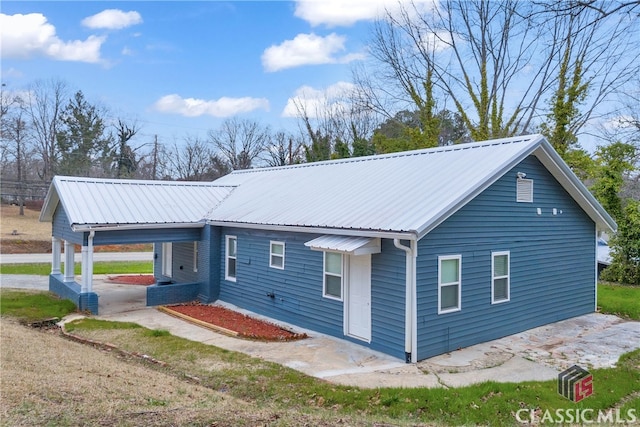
{"x": 524, "y": 190}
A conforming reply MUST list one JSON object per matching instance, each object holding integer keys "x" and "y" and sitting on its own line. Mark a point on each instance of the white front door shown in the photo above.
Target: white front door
{"x": 358, "y": 313}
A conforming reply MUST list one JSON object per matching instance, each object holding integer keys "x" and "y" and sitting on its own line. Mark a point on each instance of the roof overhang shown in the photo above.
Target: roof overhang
{"x": 137, "y": 226}
{"x": 345, "y": 244}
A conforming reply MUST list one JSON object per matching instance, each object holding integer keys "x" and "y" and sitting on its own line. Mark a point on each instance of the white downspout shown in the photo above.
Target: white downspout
{"x": 410, "y": 335}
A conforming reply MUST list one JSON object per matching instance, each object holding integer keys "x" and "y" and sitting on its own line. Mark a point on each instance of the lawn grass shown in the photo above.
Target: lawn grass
{"x": 102, "y": 267}
{"x": 262, "y": 382}
{"x": 30, "y": 306}
{"x": 621, "y": 300}
{"x": 265, "y": 383}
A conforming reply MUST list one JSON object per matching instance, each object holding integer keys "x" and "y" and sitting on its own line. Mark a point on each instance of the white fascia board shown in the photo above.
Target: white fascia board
{"x": 446, "y": 212}
{"x": 576, "y": 189}
{"x": 402, "y": 235}
{"x": 115, "y": 227}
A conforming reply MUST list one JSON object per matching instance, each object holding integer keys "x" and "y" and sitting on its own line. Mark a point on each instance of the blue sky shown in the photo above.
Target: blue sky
{"x": 181, "y": 68}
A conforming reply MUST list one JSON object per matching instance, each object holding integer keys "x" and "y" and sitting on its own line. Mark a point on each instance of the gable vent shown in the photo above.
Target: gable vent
{"x": 524, "y": 190}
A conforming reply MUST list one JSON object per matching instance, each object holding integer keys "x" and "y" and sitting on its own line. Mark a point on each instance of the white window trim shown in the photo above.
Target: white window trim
{"x": 440, "y": 284}
{"x": 167, "y": 259}
{"x": 325, "y": 273}
{"x": 196, "y": 250}
{"x": 272, "y": 254}
{"x": 227, "y": 258}
{"x": 507, "y": 276}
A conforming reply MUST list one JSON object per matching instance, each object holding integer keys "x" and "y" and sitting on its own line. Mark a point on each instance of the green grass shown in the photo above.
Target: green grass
{"x": 266, "y": 383}
{"x": 31, "y": 306}
{"x": 103, "y": 267}
{"x": 623, "y": 301}
{"x": 263, "y": 382}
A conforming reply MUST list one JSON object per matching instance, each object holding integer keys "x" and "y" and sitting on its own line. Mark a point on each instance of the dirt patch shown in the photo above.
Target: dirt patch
{"x": 20, "y": 246}
{"x": 133, "y": 279}
{"x": 237, "y": 323}
{"x": 25, "y": 234}
{"x": 67, "y": 383}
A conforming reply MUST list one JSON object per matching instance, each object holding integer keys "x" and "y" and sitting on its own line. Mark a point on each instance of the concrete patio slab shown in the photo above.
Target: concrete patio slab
{"x": 591, "y": 341}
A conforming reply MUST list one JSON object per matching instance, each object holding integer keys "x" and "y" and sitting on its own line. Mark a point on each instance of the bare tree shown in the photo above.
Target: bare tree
{"x": 194, "y": 161}
{"x": 283, "y": 149}
{"x": 45, "y": 105}
{"x": 496, "y": 61}
{"x": 334, "y": 126}
{"x": 240, "y": 142}
{"x": 15, "y": 139}
{"x": 124, "y": 155}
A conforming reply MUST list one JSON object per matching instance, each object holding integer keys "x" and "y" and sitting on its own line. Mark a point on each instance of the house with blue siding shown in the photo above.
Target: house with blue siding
{"x": 413, "y": 254}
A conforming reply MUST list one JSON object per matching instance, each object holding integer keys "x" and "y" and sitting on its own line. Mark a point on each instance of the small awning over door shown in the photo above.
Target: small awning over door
{"x": 346, "y": 244}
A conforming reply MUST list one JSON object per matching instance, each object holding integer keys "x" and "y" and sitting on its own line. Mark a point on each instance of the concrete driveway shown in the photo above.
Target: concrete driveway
{"x": 590, "y": 341}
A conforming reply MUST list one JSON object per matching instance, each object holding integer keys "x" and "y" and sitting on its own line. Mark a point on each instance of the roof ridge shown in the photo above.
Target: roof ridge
{"x": 418, "y": 152}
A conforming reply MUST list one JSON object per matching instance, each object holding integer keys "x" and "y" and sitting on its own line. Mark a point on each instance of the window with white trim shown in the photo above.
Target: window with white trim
{"x": 231, "y": 258}
{"x": 500, "y": 277}
{"x": 195, "y": 257}
{"x": 524, "y": 190}
{"x": 332, "y": 287}
{"x": 449, "y": 283}
{"x": 167, "y": 259}
{"x": 276, "y": 255}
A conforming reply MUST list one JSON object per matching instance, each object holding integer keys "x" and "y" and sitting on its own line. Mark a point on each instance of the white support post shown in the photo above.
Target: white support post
{"x": 87, "y": 264}
{"x": 55, "y": 253}
{"x": 69, "y": 262}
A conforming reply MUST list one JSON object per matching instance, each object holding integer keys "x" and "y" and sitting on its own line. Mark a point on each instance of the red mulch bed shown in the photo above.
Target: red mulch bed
{"x": 133, "y": 279}
{"x": 245, "y": 326}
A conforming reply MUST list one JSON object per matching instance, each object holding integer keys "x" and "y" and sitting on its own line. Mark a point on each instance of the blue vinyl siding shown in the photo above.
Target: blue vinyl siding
{"x": 297, "y": 289}
{"x": 62, "y": 229}
{"x": 552, "y": 263}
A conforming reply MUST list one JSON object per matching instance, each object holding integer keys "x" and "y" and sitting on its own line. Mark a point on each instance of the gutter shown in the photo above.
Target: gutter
{"x": 410, "y": 318}
{"x": 318, "y": 230}
{"x": 83, "y": 228}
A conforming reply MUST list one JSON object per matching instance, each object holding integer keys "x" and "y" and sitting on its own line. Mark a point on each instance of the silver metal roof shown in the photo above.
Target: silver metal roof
{"x": 401, "y": 195}
{"x": 408, "y": 192}
{"x": 116, "y": 202}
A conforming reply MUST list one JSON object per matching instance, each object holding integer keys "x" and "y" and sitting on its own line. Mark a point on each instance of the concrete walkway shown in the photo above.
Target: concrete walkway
{"x": 591, "y": 341}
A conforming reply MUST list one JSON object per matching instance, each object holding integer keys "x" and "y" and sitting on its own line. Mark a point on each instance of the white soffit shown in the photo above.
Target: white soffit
{"x": 345, "y": 244}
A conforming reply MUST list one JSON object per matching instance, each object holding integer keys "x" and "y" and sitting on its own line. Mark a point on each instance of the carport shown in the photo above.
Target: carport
{"x": 91, "y": 212}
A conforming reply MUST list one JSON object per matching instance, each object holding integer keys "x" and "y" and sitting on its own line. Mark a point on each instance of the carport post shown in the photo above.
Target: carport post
{"x": 87, "y": 265}
{"x": 69, "y": 262}
{"x": 55, "y": 253}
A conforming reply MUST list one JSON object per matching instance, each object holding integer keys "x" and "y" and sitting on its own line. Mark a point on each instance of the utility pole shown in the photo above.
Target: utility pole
{"x": 155, "y": 156}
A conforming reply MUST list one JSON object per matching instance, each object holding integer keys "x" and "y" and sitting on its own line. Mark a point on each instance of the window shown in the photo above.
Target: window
{"x": 333, "y": 275}
{"x": 449, "y": 283}
{"x": 276, "y": 255}
{"x": 231, "y": 258}
{"x": 524, "y": 190}
{"x": 499, "y": 277}
{"x": 195, "y": 257}
{"x": 167, "y": 259}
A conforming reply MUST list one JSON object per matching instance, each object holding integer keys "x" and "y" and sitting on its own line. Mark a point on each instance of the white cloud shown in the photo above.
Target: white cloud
{"x": 25, "y": 36}
{"x": 621, "y": 122}
{"x": 223, "y": 107}
{"x": 306, "y": 49}
{"x": 345, "y": 13}
{"x": 112, "y": 19}
{"x": 316, "y": 102}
